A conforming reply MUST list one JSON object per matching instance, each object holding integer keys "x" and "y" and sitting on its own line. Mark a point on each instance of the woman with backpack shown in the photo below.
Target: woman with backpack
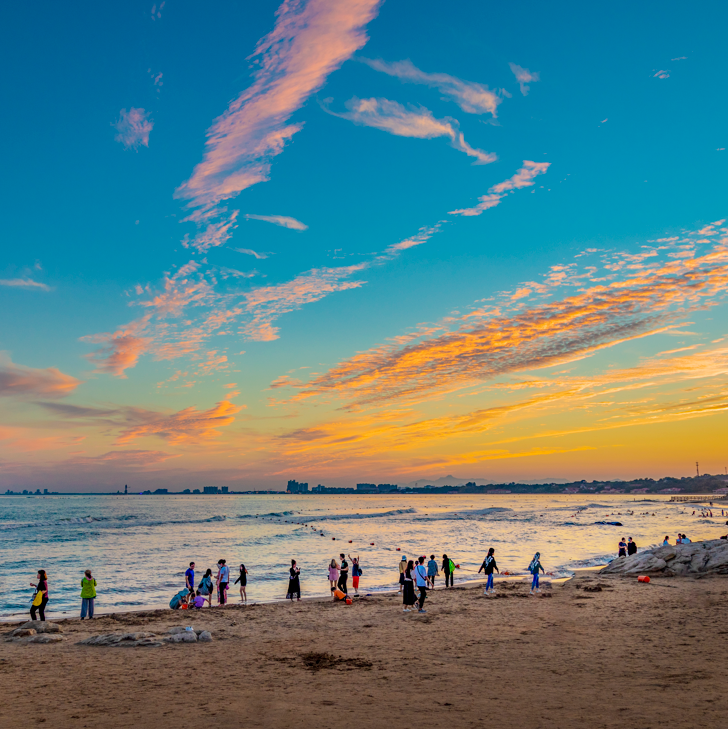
{"x": 205, "y": 587}
{"x": 40, "y": 598}
{"x": 448, "y": 567}
{"x": 487, "y": 567}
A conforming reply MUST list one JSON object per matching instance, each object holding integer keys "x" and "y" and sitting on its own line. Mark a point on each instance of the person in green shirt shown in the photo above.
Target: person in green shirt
{"x": 88, "y": 594}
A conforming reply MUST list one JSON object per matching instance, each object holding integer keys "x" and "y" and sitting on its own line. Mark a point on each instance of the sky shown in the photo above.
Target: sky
{"x": 362, "y": 241}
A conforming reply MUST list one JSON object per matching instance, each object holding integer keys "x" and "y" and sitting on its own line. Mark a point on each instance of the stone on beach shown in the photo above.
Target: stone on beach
{"x": 186, "y": 636}
{"x": 40, "y": 626}
{"x": 122, "y": 639}
{"x": 44, "y": 638}
{"x": 697, "y": 558}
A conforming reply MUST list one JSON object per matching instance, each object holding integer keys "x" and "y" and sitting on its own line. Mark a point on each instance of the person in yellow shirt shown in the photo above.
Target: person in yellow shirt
{"x": 88, "y": 594}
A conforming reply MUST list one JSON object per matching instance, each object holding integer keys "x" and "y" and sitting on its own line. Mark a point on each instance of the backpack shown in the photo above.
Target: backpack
{"x": 452, "y": 566}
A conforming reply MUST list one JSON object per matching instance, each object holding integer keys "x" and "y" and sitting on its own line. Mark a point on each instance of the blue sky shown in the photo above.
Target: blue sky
{"x": 623, "y": 120}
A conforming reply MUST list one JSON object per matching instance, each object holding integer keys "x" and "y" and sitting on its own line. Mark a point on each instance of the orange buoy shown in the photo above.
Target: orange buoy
{"x": 398, "y": 549}
{"x": 333, "y": 539}
{"x": 349, "y": 601}
{"x": 371, "y": 544}
{"x": 350, "y": 541}
{"x": 458, "y": 566}
{"x": 643, "y": 578}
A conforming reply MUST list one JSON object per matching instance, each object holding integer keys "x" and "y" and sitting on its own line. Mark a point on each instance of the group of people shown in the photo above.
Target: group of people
{"x": 196, "y": 597}
{"x": 41, "y": 595}
{"x": 627, "y": 548}
{"x": 339, "y": 575}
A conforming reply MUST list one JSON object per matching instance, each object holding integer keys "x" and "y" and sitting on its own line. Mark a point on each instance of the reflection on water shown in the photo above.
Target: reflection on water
{"x": 138, "y": 547}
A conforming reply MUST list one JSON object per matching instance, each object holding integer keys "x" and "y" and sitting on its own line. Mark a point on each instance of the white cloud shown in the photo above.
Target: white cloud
{"x": 524, "y": 76}
{"x": 250, "y": 252}
{"x": 24, "y": 283}
{"x": 474, "y": 98}
{"x": 282, "y": 220}
{"x": 133, "y": 128}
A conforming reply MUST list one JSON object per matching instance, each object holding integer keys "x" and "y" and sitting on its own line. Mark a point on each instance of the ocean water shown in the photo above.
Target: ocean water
{"x": 138, "y": 547}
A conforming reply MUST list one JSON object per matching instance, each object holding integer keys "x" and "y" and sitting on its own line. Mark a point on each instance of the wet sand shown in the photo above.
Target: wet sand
{"x": 597, "y": 651}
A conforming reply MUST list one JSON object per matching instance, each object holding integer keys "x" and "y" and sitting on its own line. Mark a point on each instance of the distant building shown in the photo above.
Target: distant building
{"x": 224, "y": 490}
{"x": 721, "y": 491}
{"x": 640, "y": 491}
{"x": 161, "y": 491}
{"x": 386, "y": 488}
{"x": 366, "y": 488}
{"x": 297, "y": 488}
{"x": 319, "y": 489}
{"x": 210, "y": 490}
{"x": 670, "y": 491}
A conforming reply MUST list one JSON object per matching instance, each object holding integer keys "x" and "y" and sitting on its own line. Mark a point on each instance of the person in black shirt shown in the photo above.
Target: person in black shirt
{"x": 40, "y": 599}
{"x": 631, "y": 547}
{"x": 488, "y": 566}
{"x": 343, "y": 574}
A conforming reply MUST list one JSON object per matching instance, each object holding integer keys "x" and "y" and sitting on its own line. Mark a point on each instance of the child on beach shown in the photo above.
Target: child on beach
{"x": 243, "y": 580}
{"x": 488, "y": 566}
{"x": 199, "y": 602}
{"x": 333, "y": 575}
{"x": 534, "y": 568}
{"x": 356, "y": 573}
{"x": 294, "y": 582}
{"x": 402, "y": 568}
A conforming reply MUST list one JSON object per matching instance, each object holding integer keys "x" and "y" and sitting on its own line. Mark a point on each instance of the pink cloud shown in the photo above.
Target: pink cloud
{"x": 523, "y": 178}
{"x": 473, "y": 98}
{"x": 20, "y": 381}
{"x": 122, "y": 348}
{"x": 389, "y": 116}
{"x": 133, "y": 128}
{"x": 523, "y": 76}
{"x": 309, "y": 41}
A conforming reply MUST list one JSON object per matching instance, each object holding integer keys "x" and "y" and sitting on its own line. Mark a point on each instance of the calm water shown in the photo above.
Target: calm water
{"x": 139, "y": 546}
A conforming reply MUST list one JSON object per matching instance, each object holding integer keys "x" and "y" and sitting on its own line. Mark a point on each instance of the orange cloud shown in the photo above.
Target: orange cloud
{"x": 123, "y": 348}
{"x": 186, "y": 426}
{"x": 19, "y": 381}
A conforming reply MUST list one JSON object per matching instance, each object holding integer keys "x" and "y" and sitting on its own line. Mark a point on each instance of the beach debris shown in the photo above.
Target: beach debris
{"x": 40, "y": 626}
{"x": 696, "y": 558}
{"x": 643, "y": 578}
{"x": 117, "y": 640}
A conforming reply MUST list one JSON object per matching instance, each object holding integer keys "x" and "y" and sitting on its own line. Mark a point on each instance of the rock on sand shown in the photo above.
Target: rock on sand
{"x": 697, "y": 558}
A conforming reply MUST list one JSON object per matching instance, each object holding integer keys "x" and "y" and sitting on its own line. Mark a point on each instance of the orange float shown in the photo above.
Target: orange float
{"x": 643, "y": 578}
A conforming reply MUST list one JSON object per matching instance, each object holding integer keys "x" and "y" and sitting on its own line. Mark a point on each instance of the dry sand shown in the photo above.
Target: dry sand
{"x": 598, "y": 651}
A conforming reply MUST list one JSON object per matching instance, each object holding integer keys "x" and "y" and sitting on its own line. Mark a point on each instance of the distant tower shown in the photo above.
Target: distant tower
{"x": 126, "y": 489}
{"x": 697, "y": 469}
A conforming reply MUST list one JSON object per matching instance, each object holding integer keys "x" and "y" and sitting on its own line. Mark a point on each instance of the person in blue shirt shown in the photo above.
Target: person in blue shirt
{"x": 432, "y": 570}
{"x": 223, "y": 578}
{"x": 422, "y": 582}
{"x": 190, "y": 577}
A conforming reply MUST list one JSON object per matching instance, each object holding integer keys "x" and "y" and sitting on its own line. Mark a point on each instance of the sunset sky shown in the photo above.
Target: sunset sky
{"x": 344, "y": 241}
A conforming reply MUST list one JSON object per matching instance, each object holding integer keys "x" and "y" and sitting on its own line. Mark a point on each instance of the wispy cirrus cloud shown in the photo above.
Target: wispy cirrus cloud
{"x": 24, "y": 283}
{"x": 121, "y": 349}
{"x": 524, "y": 77}
{"x": 21, "y": 381}
{"x": 523, "y": 178}
{"x": 282, "y": 220}
{"x": 418, "y": 122}
{"x": 310, "y": 40}
{"x": 250, "y": 252}
{"x": 471, "y": 97}
{"x": 133, "y": 128}
{"x": 614, "y": 303}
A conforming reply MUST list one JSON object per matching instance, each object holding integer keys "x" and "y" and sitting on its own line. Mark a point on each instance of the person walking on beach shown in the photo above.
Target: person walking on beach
{"x": 631, "y": 547}
{"x": 402, "y": 568}
{"x": 205, "y": 587}
{"x": 422, "y": 582}
{"x": 40, "y": 598}
{"x": 488, "y": 566}
{"x": 408, "y": 589}
{"x": 294, "y": 582}
{"x": 448, "y": 570}
{"x": 534, "y": 568}
{"x": 243, "y": 580}
{"x": 622, "y": 548}
{"x": 343, "y": 575}
{"x": 88, "y": 594}
{"x": 432, "y": 570}
{"x": 333, "y": 575}
{"x": 356, "y": 573}
{"x": 223, "y": 579}
{"x": 190, "y": 578}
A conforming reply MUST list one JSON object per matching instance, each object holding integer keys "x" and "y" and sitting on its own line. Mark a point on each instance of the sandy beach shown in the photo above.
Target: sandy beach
{"x": 597, "y": 651}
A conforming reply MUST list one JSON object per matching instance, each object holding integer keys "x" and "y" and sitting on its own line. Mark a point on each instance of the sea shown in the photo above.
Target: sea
{"x": 138, "y": 546}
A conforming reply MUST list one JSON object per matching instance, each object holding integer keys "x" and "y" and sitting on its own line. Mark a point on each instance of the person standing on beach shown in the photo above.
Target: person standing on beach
{"x": 190, "y": 578}
{"x": 422, "y": 582}
{"x": 40, "y": 599}
{"x": 534, "y": 568}
{"x": 205, "y": 587}
{"x": 488, "y": 566}
{"x": 631, "y": 547}
{"x": 447, "y": 569}
{"x": 432, "y": 570}
{"x": 294, "y": 582}
{"x": 356, "y": 573}
{"x": 223, "y": 579}
{"x": 88, "y": 594}
{"x": 408, "y": 589}
{"x": 243, "y": 580}
{"x": 622, "y": 548}
{"x": 402, "y": 568}
{"x": 343, "y": 575}
{"x": 333, "y": 575}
